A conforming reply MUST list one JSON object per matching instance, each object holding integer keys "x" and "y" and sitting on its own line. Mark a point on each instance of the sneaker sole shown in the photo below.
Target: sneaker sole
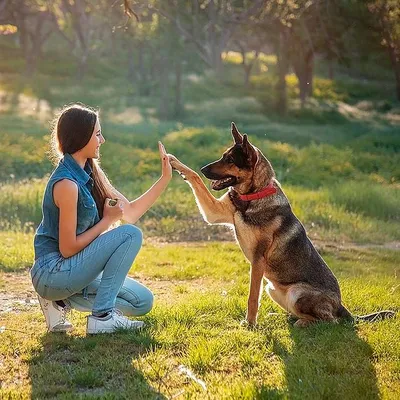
{"x": 112, "y": 330}
{"x": 61, "y": 329}
{"x": 95, "y": 332}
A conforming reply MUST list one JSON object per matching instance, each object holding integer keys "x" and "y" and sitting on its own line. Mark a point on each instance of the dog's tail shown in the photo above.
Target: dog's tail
{"x": 376, "y": 316}
{"x": 345, "y": 314}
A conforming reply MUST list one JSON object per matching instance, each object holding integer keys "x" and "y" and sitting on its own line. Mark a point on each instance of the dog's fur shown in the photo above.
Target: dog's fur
{"x": 269, "y": 234}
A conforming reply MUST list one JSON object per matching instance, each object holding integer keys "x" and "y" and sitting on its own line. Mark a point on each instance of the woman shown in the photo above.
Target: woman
{"x": 78, "y": 263}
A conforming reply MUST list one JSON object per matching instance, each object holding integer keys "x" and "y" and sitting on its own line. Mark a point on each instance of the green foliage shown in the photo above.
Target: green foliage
{"x": 23, "y": 156}
{"x": 381, "y": 202}
{"x": 318, "y": 167}
{"x": 16, "y": 250}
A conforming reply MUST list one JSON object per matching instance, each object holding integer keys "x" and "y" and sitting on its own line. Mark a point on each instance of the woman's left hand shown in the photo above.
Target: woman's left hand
{"x": 166, "y": 166}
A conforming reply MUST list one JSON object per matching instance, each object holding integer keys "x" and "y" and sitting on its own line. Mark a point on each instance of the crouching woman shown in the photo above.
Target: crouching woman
{"x": 79, "y": 262}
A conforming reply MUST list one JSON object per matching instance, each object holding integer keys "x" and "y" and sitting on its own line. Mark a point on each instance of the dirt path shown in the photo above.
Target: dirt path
{"x": 395, "y": 245}
{"x": 17, "y": 293}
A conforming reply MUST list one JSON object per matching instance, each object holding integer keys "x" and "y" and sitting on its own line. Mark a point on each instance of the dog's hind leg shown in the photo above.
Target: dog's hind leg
{"x": 315, "y": 307}
{"x": 277, "y": 294}
{"x": 311, "y": 306}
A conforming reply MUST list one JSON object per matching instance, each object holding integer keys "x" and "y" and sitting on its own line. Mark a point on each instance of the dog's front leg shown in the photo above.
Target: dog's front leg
{"x": 257, "y": 273}
{"x": 214, "y": 211}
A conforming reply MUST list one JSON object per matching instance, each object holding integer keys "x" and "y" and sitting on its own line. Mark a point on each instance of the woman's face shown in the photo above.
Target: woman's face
{"x": 97, "y": 139}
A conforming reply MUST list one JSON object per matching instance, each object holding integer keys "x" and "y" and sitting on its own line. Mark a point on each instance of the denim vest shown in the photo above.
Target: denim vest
{"x": 47, "y": 234}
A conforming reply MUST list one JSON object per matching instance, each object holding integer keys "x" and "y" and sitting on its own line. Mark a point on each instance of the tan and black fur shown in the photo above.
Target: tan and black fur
{"x": 269, "y": 234}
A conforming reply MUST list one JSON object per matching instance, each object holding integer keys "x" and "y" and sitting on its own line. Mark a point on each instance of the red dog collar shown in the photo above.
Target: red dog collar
{"x": 270, "y": 189}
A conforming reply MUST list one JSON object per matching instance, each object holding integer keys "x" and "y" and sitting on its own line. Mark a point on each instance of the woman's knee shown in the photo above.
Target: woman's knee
{"x": 147, "y": 302}
{"x": 138, "y": 296}
{"x": 132, "y": 231}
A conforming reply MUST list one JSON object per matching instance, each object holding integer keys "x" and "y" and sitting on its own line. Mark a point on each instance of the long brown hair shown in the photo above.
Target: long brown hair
{"x": 72, "y": 130}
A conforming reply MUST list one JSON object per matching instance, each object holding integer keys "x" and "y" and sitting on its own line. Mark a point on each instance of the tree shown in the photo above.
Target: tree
{"x": 386, "y": 15}
{"x": 207, "y": 24}
{"x": 318, "y": 29}
{"x": 250, "y": 37}
{"x": 35, "y": 23}
{"x": 77, "y": 13}
{"x": 277, "y": 19}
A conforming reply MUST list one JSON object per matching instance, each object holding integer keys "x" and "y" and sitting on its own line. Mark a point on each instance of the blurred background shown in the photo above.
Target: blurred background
{"x": 315, "y": 84}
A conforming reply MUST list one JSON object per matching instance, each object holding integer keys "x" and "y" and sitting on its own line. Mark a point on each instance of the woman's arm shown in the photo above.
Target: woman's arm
{"x": 133, "y": 210}
{"x": 65, "y": 194}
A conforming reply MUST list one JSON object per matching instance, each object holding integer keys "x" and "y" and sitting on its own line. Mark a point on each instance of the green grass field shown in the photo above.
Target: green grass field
{"x": 338, "y": 161}
{"x": 200, "y": 292}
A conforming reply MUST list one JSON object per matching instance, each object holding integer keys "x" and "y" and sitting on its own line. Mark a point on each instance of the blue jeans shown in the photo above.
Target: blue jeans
{"x": 95, "y": 279}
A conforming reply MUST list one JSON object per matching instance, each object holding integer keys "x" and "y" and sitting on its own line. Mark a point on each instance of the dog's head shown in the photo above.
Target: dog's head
{"x": 236, "y": 166}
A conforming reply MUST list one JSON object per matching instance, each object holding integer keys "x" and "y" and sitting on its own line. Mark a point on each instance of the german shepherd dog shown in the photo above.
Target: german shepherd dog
{"x": 269, "y": 234}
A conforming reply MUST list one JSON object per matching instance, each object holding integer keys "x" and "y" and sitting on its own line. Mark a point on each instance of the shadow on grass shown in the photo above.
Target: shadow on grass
{"x": 326, "y": 361}
{"x": 91, "y": 367}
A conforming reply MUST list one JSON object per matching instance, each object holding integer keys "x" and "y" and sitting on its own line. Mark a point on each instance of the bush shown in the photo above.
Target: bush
{"x": 382, "y": 202}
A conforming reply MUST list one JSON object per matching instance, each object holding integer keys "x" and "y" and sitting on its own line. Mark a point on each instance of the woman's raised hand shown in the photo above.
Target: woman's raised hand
{"x": 113, "y": 213}
{"x": 166, "y": 166}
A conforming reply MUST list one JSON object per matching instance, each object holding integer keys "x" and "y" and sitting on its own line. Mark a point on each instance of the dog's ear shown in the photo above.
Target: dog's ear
{"x": 237, "y": 136}
{"x": 249, "y": 150}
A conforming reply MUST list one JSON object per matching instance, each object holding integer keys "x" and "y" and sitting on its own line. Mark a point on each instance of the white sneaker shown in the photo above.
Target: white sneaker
{"x": 55, "y": 316}
{"x": 115, "y": 320}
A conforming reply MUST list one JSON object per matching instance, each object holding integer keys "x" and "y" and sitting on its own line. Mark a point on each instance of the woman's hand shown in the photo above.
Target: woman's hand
{"x": 113, "y": 213}
{"x": 166, "y": 166}
{"x": 181, "y": 168}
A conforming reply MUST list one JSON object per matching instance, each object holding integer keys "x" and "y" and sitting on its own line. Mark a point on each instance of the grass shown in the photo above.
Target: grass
{"x": 199, "y": 303}
{"x": 343, "y": 182}
{"x": 338, "y": 161}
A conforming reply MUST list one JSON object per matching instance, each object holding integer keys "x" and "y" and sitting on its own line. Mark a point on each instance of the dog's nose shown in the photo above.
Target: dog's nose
{"x": 204, "y": 169}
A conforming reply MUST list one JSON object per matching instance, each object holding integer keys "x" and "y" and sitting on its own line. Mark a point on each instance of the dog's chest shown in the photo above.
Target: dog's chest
{"x": 247, "y": 236}
{"x": 256, "y": 242}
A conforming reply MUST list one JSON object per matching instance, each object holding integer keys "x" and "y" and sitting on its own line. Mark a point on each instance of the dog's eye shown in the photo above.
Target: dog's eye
{"x": 229, "y": 159}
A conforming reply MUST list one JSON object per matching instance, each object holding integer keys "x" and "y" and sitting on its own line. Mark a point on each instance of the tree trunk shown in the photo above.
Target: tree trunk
{"x": 331, "y": 71}
{"x": 310, "y": 77}
{"x": 397, "y": 74}
{"x": 163, "y": 110}
{"x": 33, "y": 49}
{"x": 131, "y": 66}
{"x": 82, "y": 65}
{"x": 217, "y": 61}
{"x": 82, "y": 27}
{"x": 303, "y": 86}
{"x": 31, "y": 63}
{"x": 395, "y": 60}
{"x": 178, "y": 89}
{"x": 246, "y": 67}
{"x": 282, "y": 64}
{"x": 151, "y": 75}
{"x": 303, "y": 68}
{"x": 143, "y": 84}
{"x": 25, "y": 47}
{"x": 247, "y": 73}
